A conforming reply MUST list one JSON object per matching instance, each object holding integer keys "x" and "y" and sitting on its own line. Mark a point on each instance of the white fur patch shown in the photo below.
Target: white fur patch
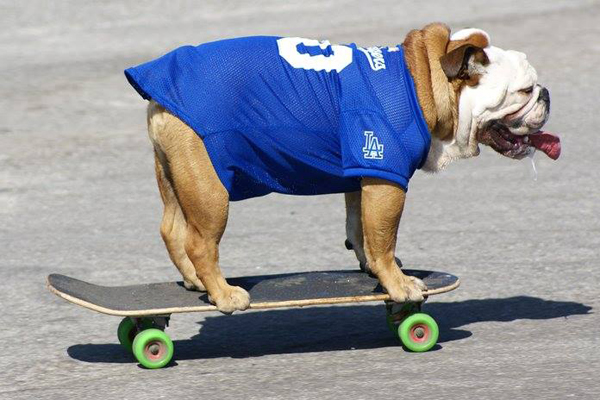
{"x": 465, "y": 33}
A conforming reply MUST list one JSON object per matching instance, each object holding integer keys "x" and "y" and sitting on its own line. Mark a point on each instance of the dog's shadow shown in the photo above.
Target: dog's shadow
{"x": 320, "y": 329}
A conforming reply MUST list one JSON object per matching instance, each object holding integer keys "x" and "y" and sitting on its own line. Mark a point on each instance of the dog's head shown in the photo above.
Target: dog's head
{"x": 498, "y": 99}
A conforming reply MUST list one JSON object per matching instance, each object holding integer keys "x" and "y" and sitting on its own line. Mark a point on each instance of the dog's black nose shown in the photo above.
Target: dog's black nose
{"x": 545, "y": 97}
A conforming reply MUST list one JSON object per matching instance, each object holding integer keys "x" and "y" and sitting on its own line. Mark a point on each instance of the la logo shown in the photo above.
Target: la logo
{"x": 372, "y": 150}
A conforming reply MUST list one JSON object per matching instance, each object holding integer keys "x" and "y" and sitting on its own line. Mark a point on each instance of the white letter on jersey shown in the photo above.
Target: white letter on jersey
{"x": 340, "y": 59}
{"x": 372, "y": 150}
{"x": 375, "y": 57}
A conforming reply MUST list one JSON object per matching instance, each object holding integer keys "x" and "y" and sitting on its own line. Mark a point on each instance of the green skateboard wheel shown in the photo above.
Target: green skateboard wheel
{"x": 418, "y": 332}
{"x": 126, "y": 333}
{"x": 127, "y": 330}
{"x": 153, "y": 348}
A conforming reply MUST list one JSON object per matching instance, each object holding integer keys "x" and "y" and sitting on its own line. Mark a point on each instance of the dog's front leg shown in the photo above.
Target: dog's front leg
{"x": 382, "y": 203}
{"x": 354, "y": 231}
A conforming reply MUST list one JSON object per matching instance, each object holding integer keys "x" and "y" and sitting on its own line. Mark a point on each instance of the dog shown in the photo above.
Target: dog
{"x": 241, "y": 118}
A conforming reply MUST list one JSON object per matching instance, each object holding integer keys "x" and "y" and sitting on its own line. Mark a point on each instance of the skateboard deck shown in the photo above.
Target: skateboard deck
{"x": 266, "y": 291}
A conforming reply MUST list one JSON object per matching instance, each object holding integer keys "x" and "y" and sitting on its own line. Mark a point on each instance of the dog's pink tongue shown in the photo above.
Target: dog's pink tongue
{"x": 546, "y": 142}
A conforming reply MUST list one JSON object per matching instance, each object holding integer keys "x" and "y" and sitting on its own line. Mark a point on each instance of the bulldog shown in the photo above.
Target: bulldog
{"x": 241, "y": 118}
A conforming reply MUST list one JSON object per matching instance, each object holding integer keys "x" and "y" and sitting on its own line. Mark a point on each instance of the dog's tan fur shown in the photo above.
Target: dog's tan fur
{"x": 438, "y": 97}
{"x": 196, "y": 203}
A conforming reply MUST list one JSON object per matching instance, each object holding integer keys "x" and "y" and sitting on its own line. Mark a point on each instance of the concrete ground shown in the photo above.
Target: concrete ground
{"x": 77, "y": 196}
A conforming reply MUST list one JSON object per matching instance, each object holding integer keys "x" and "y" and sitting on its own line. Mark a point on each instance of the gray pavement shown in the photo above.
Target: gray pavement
{"x": 77, "y": 196}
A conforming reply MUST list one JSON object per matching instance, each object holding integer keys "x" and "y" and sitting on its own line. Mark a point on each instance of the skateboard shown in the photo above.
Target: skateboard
{"x": 147, "y": 308}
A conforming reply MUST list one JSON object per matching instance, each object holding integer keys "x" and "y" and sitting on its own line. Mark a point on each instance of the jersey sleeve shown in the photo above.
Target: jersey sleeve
{"x": 371, "y": 147}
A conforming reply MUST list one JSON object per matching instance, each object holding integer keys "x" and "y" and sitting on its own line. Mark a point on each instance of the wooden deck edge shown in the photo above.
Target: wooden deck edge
{"x": 253, "y": 306}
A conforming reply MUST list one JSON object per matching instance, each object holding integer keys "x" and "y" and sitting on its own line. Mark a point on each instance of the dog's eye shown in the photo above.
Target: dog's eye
{"x": 526, "y": 90}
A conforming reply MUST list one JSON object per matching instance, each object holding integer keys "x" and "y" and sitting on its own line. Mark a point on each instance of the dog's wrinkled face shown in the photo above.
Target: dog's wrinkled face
{"x": 510, "y": 106}
{"x": 501, "y": 105}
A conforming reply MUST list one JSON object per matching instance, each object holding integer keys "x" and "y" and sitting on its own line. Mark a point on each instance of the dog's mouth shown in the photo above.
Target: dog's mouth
{"x": 501, "y": 139}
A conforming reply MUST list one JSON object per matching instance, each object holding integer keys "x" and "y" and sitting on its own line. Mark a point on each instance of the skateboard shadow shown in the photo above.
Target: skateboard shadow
{"x": 331, "y": 328}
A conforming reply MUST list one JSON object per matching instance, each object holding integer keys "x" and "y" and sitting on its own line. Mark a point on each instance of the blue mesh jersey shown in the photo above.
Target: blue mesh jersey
{"x": 293, "y": 115}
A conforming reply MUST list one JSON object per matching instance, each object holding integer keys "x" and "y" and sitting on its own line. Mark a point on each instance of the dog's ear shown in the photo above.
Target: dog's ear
{"x": 464, "y": 62}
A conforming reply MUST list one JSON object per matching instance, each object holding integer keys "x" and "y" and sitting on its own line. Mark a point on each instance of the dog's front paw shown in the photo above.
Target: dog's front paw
{"x": 419, "y": 283}
{"x": 235, "y": 299}
{"x": 409, "y": 289}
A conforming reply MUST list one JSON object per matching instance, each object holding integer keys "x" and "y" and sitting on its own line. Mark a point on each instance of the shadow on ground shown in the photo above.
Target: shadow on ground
{"x": 319, "y": 329}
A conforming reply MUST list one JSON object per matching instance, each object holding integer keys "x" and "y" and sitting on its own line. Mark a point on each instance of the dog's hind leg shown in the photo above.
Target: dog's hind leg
{"x": 173, "y": 227}
{"x": 204, "y": 202}
{"x": 354, "y": 231}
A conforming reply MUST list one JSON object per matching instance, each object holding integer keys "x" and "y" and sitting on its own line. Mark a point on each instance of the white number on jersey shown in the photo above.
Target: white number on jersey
{"x": 340, "y": 59}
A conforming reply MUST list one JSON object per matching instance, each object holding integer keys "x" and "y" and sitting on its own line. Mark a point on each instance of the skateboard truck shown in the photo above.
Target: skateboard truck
{"x": 159, "y": 322}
